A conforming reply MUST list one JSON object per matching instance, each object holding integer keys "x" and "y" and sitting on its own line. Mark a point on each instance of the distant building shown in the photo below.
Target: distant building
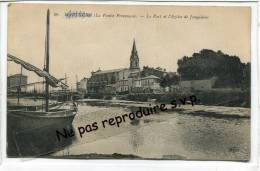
{"x": 122, "y": 86}
{"x": 151, "y": 81}
{"x": 82, "y": 86}
{"x": 149, "y": 84}
{"x": 116, "y": 80}
{"x": 126, "y": 80}
{"x": 15, "y": 81}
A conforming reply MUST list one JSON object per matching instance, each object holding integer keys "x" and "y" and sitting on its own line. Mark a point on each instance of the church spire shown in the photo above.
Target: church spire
{"x": 134, "y": 48}
{"x": 134, "y": 59}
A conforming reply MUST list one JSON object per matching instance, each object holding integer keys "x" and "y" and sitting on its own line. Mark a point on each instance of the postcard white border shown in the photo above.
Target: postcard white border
{"x": 58, "y": 164}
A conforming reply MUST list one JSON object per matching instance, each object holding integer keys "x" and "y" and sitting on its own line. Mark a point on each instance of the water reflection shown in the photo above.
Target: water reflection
{"x": 136, "y": 140}
{"x": 216, "y": 138}
{"x": 169, "y": 135}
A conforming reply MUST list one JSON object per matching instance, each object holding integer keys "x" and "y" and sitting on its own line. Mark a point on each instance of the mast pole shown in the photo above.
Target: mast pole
{"x": 19, "y": 87}
{"x": 65, "y": 80}
{"x": 46, "y": 68}
{"x": 77, "y": 83}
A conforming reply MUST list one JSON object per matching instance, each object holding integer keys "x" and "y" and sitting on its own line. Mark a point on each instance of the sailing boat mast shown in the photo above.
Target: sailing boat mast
{"x": 19, "y": 86}
{"x": 46, "y": 64}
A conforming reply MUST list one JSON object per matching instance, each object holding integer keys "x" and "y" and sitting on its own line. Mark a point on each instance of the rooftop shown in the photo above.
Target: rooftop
{"x": 17, "y": 75}
{"x": 109, "y": 71}
{"x": 150, "y": 77}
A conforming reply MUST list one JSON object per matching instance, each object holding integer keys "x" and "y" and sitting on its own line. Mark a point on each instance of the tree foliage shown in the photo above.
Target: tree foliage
{"x": 169, "y": 79}
{"x": 229, "y": 70}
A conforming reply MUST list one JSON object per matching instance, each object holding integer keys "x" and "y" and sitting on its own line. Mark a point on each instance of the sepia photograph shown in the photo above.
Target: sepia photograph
{"x": 141, "y": 82}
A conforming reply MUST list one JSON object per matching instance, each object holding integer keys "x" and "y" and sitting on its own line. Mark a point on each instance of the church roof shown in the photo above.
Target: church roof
{"x": 109, "y": 71}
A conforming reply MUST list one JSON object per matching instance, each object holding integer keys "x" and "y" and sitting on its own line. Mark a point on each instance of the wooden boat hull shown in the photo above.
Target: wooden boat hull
{"x": 33, "y": 133}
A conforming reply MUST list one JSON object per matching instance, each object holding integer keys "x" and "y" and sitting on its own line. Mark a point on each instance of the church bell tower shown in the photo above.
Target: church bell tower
{"x": 134, "y": 59}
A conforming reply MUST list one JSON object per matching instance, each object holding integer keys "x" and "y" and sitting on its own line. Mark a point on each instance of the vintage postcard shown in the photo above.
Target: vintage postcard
{"x": 99, "y": 81}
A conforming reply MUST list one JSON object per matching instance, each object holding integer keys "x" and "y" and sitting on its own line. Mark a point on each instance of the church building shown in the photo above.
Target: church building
{"x": 120, "y": 81}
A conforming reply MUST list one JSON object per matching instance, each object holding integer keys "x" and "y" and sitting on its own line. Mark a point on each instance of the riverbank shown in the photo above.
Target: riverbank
{"x": 200, "y": 110}
{"x": 221, "y": 97}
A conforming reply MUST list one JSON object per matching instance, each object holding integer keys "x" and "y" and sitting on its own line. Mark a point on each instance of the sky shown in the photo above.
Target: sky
{"x": 79, "y": 45}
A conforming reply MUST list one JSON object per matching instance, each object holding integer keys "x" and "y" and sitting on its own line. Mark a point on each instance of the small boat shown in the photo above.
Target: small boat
{"x": 32, "y": 129}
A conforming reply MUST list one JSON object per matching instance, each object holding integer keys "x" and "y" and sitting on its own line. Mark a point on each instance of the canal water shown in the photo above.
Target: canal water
{"x": 166, "y": 135}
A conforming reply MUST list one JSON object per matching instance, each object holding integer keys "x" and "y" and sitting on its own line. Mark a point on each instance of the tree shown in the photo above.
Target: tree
{"x": 169, "y": 79}
{"x": 208, "y": 63}
{"x": 246, "y": 76}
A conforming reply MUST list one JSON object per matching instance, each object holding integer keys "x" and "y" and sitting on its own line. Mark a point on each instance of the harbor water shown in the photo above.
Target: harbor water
{"x": 165, "y": 135}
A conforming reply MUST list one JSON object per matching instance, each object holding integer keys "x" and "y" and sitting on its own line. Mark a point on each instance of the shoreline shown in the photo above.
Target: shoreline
{"x": 118, "y": 156}
{"x": 188, "y": 109}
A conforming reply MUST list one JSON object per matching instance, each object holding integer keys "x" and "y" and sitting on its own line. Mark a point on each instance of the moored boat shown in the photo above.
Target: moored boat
{"x": 33, "y": 133}
{"x": 32, "y": 129}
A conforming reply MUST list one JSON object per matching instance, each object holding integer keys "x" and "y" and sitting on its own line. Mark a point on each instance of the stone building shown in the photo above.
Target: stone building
{"x": 82, "y": 86}
{"x": 124, "y": 80}
{"x": 15, "y": 81}
{"x": 116, "y": 80}
{"x": 149, "y": 84}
